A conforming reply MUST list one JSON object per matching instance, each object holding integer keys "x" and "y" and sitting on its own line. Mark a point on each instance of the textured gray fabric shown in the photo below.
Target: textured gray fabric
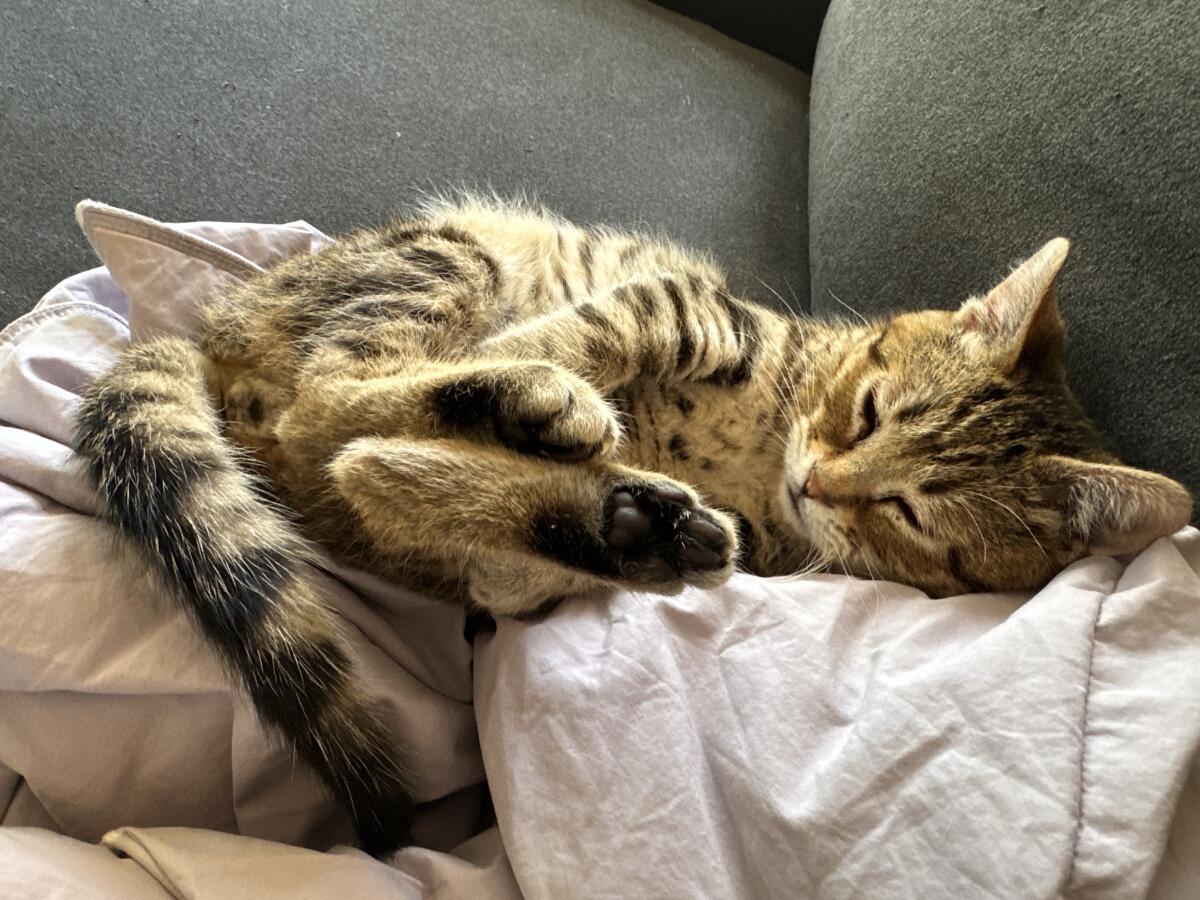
{"x": 950, "y": 137}
{"x": 343, "y": 112}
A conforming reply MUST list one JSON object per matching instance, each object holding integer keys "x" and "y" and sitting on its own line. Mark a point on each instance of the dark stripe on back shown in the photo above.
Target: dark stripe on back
{"x": 436, "y": 263}
{"x": 360, "y": 284}
{"x": 629, "y": 253}
{"x": 399, "y": 234}
{"x": 585, "y": 259}
{"x": 387, "y": 308}
{"x": 568, "y": 295}
{"x": 476, "y": 251}
{"x": 360, "y": 346}
{"x": 646, "y": 300}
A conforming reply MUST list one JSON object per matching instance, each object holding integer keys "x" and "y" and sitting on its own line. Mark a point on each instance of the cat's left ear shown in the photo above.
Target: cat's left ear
{"x": 1018, "y": 325}
{"x": 1116, "y": 508}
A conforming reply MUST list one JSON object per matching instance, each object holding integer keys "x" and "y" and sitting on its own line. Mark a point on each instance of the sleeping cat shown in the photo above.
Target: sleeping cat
{"x": 496, "y": 407}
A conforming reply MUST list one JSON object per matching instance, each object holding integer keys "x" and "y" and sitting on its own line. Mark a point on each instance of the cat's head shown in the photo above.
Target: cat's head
{"x": 947, "y": 451}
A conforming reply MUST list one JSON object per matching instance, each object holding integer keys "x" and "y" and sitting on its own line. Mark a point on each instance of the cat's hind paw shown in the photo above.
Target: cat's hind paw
{"x": 656, "y": 533}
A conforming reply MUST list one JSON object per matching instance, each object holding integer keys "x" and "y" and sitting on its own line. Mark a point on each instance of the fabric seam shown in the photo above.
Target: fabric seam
{"x": 11, "y": 333}
{"x": 1077, "y": 836}
{"x": 193, "y": 245}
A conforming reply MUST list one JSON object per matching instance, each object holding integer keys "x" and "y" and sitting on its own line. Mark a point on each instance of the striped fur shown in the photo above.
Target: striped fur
{"x": 497, "y": 407}
{"x": 178, "y": 491}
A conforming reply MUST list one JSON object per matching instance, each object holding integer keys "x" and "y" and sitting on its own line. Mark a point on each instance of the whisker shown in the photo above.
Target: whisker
{"x": 872, "y": 577}
{"x": 779, "y": 296}
{"x": 860, "y": 316}
{"x": 1015, "y": 515}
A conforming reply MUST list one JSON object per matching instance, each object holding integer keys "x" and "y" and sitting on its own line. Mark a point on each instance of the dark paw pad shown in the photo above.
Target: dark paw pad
{"x": 656, "y": 534}
{"x": 703, "y": 544}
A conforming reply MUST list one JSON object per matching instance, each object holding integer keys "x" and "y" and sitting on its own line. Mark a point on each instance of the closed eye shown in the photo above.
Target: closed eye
{"x": 870, "y": 417}
{"x": 905, "y": 510}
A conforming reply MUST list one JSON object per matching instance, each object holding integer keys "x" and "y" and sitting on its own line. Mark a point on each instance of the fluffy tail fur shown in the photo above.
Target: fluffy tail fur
{"x": 172, "y": 485}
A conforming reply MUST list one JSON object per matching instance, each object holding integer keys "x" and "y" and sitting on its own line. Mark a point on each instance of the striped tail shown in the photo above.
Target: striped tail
{"x": 172, "y": 485}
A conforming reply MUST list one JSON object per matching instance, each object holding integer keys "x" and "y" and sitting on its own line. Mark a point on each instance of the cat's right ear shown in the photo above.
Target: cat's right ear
{"x": 1017, "y": 325}
{"x": 1116, "y": 508}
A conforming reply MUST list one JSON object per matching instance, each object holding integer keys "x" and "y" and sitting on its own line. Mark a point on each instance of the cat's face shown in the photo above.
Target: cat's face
{"x": 947, "y": 452}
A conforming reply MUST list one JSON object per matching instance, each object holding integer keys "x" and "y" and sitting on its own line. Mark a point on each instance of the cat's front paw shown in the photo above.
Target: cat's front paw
{"x": 535, "y": 408}
{"x": 657, "y": 534}
{"x": 546, "y": 411}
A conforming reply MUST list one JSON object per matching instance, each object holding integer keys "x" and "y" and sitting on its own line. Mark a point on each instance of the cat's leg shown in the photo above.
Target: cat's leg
{"x": 535, "y": 408}
{"x": 673, "y": 327}
{"x": 525, "y": 531}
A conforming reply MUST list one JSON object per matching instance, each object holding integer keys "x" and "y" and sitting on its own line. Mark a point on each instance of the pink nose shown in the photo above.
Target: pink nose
{"x": 812, "y": 488}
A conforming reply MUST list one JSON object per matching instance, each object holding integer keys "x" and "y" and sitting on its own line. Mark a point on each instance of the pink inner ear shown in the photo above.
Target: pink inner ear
{"x": 1022, "y": 309}
{"x": 1122, "y": 509}
{"x": 980, "y": 316}
{"x": 999, "y": 322}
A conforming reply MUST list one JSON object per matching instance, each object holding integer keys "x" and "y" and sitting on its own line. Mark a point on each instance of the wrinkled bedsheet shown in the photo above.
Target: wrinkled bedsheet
{"x": 811, "y": 737}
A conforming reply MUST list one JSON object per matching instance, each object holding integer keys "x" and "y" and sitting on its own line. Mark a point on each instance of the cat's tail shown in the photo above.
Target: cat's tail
{"x": 173, "y": 486}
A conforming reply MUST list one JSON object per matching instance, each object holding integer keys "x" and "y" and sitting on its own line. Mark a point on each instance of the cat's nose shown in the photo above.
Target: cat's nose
{"x": 812, "y": 488}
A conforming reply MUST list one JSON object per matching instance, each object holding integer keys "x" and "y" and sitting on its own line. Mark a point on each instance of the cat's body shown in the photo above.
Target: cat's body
{"x": 670, "y": 419}
{"x": 495, "y": 406}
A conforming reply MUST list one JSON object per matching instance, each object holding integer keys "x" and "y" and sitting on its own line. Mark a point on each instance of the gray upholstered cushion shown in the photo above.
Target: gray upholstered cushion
{"x": 343, "y": 112}
{"x": 950, "y": 137}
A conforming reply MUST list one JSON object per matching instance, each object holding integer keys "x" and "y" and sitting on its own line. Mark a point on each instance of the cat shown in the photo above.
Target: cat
{"x": 499, "y": 408}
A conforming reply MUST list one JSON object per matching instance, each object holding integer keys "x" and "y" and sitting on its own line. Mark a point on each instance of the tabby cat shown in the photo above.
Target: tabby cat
{"x": 494, "y": 406}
